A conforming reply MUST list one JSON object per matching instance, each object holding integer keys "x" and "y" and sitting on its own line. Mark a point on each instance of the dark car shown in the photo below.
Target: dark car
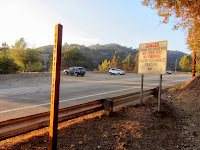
{"x": 75, "y": 71}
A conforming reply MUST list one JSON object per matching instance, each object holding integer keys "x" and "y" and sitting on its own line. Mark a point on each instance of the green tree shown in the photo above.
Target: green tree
{"x": 186, "y": 63}
{"x": 104, "y": 66}
{"x": 116, "y": 62}
{"x": 136, "y": 63}
{"x": 34, "y": 60}
{"x": 7, "y": 65}
{"x": 24, "y": 56}
{"x": 128, "y": 63}
{"x": 73, "y": 57}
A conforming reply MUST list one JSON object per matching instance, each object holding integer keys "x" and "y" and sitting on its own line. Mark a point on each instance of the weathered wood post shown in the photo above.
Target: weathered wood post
{"x": 55, "y": 87}
{"x": 194, "y": 64}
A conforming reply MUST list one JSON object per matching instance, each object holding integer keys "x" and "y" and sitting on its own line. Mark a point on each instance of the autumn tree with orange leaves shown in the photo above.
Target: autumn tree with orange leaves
{"x": 187, "y": 16}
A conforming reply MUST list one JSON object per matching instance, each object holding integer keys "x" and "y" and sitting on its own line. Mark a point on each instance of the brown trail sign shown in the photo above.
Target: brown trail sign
{"x": 55, "y": 87}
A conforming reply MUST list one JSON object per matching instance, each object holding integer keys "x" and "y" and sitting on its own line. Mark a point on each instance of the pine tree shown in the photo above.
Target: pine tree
{"x": 116, "y": 62}
{"x": 128, "y": 63}
{"x": 104, "y": 66}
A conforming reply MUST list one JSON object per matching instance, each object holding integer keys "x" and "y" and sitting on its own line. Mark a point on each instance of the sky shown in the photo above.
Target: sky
{"x": 86, "y": 22}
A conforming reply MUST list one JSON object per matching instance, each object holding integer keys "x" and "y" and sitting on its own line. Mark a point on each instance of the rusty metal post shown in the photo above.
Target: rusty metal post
{"x": 194, "y": 64}
{"x": 55, "y": 87}
{"x": 159, "y": 92}
{"x": 141, "y": 92}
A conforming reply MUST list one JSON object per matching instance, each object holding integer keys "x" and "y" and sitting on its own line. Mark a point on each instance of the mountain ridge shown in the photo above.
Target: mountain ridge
{"x": 95, "y": 54}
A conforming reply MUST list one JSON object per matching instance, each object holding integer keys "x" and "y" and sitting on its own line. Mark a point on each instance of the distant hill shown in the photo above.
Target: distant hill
{"x": 95, "y": 54}
{"x": 171, "y": 59}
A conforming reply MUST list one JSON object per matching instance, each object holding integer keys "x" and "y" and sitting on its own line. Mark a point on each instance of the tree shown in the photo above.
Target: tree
{"x": 104, "y": 66}
{"x": 24, "y": 56}
{"x": 116, "y": 62}
{"x": 7, "y": 65}
{"x": 128, "y": 63}
{"x": 136, "y": 63}
{"x": 186, "y": 63}
{"x": 186, "y": 14}
{"x": 73, "y": 57}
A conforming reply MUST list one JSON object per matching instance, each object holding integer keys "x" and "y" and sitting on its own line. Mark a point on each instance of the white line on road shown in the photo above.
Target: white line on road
{"x": 134, "y": 87}
{"x": 65, "y": 100}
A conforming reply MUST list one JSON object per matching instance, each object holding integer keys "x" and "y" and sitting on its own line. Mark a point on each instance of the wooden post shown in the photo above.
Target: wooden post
{"x": 194, "y": 64}
{"x": 55, "y": 87}
{"x": 176, "y": 66}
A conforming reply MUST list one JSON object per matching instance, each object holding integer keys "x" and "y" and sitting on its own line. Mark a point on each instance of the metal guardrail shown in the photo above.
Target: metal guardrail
{"x": 14, "y": 127}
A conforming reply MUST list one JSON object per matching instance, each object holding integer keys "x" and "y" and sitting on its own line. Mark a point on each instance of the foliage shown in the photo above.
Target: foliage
{"x": 186, "y": 14}
{"x": 136, "y": 63}
{"x": 104, "y": 66}
{"x": 116, "y": 62}
{"x": 186, "y": 63}
{"x": 7, "y": 65}
{"x": 25, "y": 57}
{"x": 96, "y": 54}
{"x": 73, "y": 57}
{"x": 128, "y": 63}
{"x": 51, "y": 62}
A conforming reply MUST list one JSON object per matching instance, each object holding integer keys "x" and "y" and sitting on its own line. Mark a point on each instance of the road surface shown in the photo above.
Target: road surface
{"x": 35, "y": 98}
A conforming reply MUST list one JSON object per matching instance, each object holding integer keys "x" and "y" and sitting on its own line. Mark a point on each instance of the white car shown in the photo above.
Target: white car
{"x": 116, "y": 71}
{"x": 168, "y": 72}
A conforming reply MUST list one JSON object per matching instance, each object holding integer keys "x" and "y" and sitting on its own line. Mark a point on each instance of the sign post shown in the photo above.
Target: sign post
{"x": 153, "y": 60}
{"x": 141, "y": 92}
{"x": 55, "y": 87}
{"x": 159, "y": 92}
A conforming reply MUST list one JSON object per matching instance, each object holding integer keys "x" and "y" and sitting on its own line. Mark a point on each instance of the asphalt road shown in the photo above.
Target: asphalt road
{"x": 32, "y": 99}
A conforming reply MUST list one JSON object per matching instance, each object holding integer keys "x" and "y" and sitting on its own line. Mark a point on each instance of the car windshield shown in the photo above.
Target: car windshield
{"x": 118, "y": 70}
{"x": 81, "y": 68}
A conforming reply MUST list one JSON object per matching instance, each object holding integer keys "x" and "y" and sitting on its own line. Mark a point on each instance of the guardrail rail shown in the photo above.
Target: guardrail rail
{"x": 14, "y": 127}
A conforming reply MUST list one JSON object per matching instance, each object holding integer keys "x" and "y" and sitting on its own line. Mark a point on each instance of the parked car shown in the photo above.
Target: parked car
{"x": 168, "y": 72}
{"x": 75, "y": 71}
{"x": 114, "y": 71}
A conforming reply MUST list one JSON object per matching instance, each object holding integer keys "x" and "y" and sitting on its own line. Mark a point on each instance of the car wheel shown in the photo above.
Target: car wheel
{"x": 82, "y": 75}
{"x": 76, "y": 74}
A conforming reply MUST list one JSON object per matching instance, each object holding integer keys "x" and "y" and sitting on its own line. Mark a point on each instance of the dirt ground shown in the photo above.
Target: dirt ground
{"x": 131, "y": 127}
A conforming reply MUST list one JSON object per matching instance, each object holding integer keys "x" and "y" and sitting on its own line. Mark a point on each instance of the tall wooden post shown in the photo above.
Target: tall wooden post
{"x": 194, "y": 64}
{"x": 55, "y": 87}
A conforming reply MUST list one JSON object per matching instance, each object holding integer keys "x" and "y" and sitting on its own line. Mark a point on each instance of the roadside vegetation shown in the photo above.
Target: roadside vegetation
{"x": 19, "y": 58}
{"x": 185, "y": 14}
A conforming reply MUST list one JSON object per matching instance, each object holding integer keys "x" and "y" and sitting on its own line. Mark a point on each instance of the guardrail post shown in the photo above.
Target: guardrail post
{"x": 155, "y": 92}
{"x": 108, "y": 106}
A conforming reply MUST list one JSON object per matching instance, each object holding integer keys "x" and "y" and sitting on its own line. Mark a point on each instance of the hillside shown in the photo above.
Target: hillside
{"x": 95, "y": 54}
